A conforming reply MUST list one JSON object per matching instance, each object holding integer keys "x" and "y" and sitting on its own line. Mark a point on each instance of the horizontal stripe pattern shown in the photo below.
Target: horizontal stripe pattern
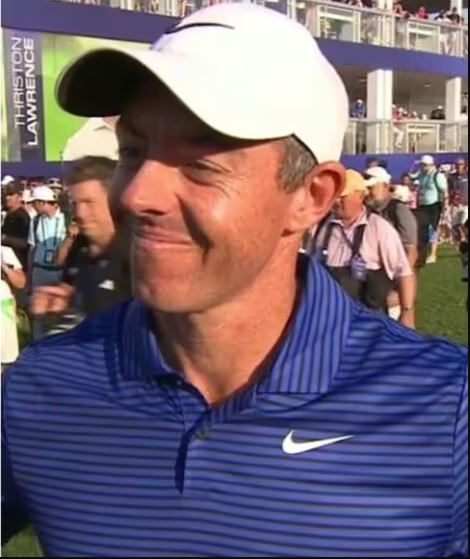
{"x": 114, "y": 455}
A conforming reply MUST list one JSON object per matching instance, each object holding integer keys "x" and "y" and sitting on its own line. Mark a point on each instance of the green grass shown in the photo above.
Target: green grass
{"x": 441, "y": 311}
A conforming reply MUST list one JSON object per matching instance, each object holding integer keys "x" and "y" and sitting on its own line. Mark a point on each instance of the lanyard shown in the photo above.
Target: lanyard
{"x": 55, "y": 239}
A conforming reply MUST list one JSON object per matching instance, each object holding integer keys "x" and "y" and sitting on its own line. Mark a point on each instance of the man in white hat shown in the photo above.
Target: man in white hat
{"x": 385, "y": 202}
{"x": 46, "y": 234}
{"x": 433, "y": 200}
{"x": 241, "y": 405}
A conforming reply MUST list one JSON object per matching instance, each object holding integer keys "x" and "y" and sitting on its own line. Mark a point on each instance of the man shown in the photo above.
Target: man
{"x": 27, "y": 201}
{"x": 438, "y": 113}
{"x": 458, "y": 192}
{"x": 96, "y": 270}
{"x": 385, "y": 203}
{"x": 364, "y": 253}
{"x": 55, "y": 184}
{"x": 433, "y": 199}
{"x": 97, "y": 137}
{"x": 381, "y": 200}
{"x": 15, "y": 227}
{"x": 46, "y": 233}
{"x": 242, "y": 405}
{"x": 358, "y": 109}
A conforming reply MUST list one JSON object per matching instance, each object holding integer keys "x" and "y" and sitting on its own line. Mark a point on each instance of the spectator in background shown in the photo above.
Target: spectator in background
{"x": 364, "y": 253}
{"x": 455, "y": 17}
{"x": 27, "y": 199}
{"x": 95, "y": 268}
{"x": 57, "y": 187}
{"x": 393, "y": 208}
{"x": 458, "y": 194}
{"x": 16, "y": 223}
{"x": 422, "y": 13}
{"x": 46, "y": 233}
{"x": 7, "y": 179}
{"x": 433, "y": 200}
{"x": 399, "y": 129}
{"x": 407, "y": 182}
{"x": 358, "y": 109}
{"x": 398, "y": 9}
{"x": 97, "y": 137}
{"x": 438, "y": 113}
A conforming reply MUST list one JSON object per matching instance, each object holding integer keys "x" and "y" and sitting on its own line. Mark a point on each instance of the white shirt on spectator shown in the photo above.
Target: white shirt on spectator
{"x": 96, "y": 138}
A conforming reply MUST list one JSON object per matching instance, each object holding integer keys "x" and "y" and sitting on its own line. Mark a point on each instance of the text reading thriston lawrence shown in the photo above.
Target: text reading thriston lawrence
{"x": 25, "y": 83}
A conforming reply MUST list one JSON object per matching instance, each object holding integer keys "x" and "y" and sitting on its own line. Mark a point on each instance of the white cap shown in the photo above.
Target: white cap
{"x": 246, "y": 71}
{"x": 43, "y": 193}
{"x": 26, "y": 197}
{"x": 427, "y": 160}
{"x": 7, "y": 179}
{"x": 377, "y": 175}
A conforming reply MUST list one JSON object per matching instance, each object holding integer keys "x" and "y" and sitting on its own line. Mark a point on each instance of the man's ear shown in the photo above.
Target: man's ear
{"x": 312, "y": 201}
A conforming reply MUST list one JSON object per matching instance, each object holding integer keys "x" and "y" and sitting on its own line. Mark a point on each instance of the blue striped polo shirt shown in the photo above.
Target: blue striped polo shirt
{"x": 351, "y": 444}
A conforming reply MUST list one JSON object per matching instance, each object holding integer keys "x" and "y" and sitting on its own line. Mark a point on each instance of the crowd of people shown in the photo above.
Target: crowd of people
{"x": 61, "y": 260}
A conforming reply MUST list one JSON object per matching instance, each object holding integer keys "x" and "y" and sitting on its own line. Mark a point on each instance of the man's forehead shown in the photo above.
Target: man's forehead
{"x": 155, "y": 107}
{"x": 155, "y": 111}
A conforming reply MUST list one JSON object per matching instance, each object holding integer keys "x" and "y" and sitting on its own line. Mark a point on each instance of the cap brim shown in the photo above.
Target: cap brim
{"x": 369, "y": 183}
{"x": 101, "y": 83}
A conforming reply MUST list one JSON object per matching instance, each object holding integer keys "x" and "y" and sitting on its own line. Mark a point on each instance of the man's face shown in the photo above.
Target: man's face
{"x": 209, "y": 215}
{"x": 461, "y": 166}
{"x": 426, "y": 168}
{"x": 349, "y": 207}
{"x": 12, "y": 201}
{"x": 378, "y": 193}
{"x": 39, "y": 206}
{"x": 91, "y": 208}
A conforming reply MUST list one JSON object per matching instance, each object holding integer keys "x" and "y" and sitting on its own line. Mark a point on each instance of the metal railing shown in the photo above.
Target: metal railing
{"x": 410, "y": 136}
{"x": 329, "y": 20}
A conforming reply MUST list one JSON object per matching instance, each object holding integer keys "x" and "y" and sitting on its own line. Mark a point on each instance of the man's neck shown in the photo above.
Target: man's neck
{"x": 222, "y": 350}
{"x": 50, "y": 212}
{"x": 348, "y": 222}
{"x": 100, "y": 245}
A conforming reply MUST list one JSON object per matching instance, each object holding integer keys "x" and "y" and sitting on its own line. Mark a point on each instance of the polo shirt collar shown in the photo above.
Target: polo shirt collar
{"x": 361, "y": 220}
{"x": 308, "y": 357}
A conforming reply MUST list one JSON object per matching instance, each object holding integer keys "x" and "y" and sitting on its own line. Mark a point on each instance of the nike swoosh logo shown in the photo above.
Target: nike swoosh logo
{"x": 289, "y": 446}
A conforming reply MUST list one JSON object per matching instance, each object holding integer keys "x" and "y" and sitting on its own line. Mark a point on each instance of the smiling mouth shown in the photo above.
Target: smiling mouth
{"x": 163, "y": 239}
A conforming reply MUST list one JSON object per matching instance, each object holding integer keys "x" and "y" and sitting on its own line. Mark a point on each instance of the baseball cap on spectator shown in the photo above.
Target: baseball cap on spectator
{"x": 43, "y": 194}
{"x": 27, "y": 196}
{"x": 7, "y": 179}
{"x": 376, "y": 175}
{"x": 225, "y": 63}
{"x": 354, "y": 183}
{"x": 13, "y": 187}
{"x": 427, "y": 160}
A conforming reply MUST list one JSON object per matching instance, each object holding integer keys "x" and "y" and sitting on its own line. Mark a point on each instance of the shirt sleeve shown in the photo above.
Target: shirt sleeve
{"x": 407, "y": 226}
{"x": 10, "y": 259}
{"x": 392, "y": 252}
{"x": 31, "y": 235}
{"x": 441, "y": 182}
{"x": 458, "y": 546}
